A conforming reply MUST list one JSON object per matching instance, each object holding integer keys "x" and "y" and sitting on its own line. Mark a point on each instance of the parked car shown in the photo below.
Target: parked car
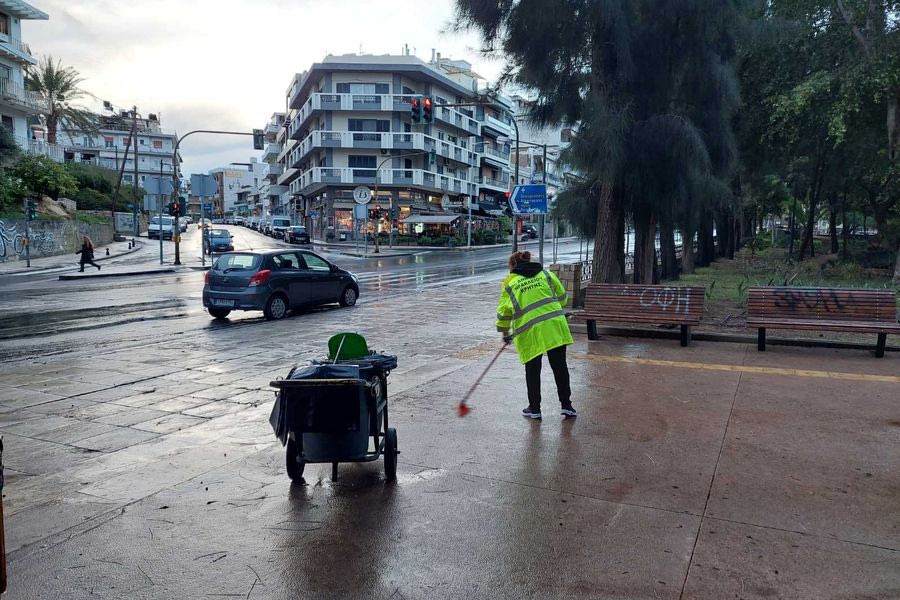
{"x": 275, "y": 281}
{"x": 239, "y": 220}
{"x": 164, "y": 224}
{"x": 218, "y": 240}
{"x": 529, "y": 232}
{"x": 296, "y": 235}
{"x": 277, "y": 226}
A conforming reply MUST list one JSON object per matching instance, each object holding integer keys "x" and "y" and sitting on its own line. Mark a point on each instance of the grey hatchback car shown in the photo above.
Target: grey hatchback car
{"x": 275, "y": 281}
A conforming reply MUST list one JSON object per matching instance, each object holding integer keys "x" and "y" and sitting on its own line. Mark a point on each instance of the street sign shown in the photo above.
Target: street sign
{"x": 155, "y": 185}
{"x": 207, "y": 206}
{"x": 529, "y": 200}
{"x": 203, "y": 185}
{"x": 359, "y": 212}
{"x": 313, "y": 213}
{"x": 362, "y": 195}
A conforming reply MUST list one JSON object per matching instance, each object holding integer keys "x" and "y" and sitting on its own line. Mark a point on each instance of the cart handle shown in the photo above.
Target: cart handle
{"x": 308, "y": 382}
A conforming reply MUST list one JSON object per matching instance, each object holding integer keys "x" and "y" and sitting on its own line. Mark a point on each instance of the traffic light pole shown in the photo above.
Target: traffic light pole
{"x": 27, "y": 233}
{"x": 391, "y": 215}
{"x": 175, "y": 183}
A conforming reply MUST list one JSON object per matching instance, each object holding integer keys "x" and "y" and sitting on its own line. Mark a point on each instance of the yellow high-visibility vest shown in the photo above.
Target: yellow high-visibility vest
{"x": 531, "y": 308}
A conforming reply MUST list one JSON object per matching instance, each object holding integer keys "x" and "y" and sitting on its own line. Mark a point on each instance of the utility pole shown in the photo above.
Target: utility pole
{"x": 25, "y": 202}
{"x": 137, "y": 227}
{"x": 543, "y": 216}
{"x": 391, "y": 215}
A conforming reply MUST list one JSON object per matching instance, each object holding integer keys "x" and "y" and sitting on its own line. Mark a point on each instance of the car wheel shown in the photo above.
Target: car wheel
{"x": 276, "y": 307}
{"x": 348, "y": 298}
{"x": 218, "y": 313}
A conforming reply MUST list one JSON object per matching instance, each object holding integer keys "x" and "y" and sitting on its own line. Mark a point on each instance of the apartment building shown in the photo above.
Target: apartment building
{"x": 348, "y": 124}
{"x": 16, "y": 103}
{"x": 106, "y": 147}
{"x": 235, "y": 184}
{"x": 271, "y": 193}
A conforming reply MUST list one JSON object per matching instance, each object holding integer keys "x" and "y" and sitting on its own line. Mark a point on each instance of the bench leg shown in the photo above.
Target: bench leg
{"x": 685, "y": 335}
{"x": 882, "y": 342}
{"x": 761, "y": 339}
{"x": 592, "y": 330}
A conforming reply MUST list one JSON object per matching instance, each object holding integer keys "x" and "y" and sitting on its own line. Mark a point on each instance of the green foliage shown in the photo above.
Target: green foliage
{"x": 40, "y": 175}
{"x": 11, "y": 192}
{"x": 88, "y": 218}
{"x": 60, "y": 87}
{"x": 9, "y": 149}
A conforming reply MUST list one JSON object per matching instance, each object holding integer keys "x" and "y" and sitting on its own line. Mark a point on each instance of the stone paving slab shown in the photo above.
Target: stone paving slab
{"x": 678, "y": 456}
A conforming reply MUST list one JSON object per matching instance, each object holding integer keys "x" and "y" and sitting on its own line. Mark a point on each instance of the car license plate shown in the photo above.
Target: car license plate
{"x": 222, "y": 302}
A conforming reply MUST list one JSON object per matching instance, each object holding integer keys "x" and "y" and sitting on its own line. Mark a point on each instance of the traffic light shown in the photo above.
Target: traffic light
{"x": 415, "y": 112}
{"x": 30, "y": 210}
{"x": 258, "y": 139}
{"x": 427, "y": 110}
{"x": 508, "y": 208}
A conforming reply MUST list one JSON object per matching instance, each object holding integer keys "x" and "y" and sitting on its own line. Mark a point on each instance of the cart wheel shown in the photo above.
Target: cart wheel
{"x": 294, "y": 463}
{"x": 390, "y": 454}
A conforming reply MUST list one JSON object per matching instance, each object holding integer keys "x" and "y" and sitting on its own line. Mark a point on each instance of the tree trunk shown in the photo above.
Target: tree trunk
{"x": 687, "y": 251}
{"x": 810, "y": 229}
{"x": 832, "y": 229}
{"x": 881, "y": 220}
{"x": 897, "y": 266}
{"x": 845, "y": 230}
{"x": 705, "y": 241}
{"x": 607, "y": 244}
{"x": 644, "y": 245}
{"x": 668, "y": 262}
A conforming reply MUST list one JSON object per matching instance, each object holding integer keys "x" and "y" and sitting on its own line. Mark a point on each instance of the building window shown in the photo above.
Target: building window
{"x": 126, "y": 141}
{"x": 4, "y": 23}
{"x": 157, "y": 144}
{"x": 109, "y": 142}
{"x": 143, "y": 142}
{"x": 5, "y": 72}
{"x": 363, "y": 88}
{"x": 127, "y": 178}
{"x": 439, "y": 100}
{"x": 363, "y": 166}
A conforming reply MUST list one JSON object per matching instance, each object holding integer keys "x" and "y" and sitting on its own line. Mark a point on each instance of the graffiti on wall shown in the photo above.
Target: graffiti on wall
{"x": 47, "y": 238}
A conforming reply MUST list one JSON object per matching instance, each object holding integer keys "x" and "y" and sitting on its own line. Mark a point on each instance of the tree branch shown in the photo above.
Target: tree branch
{"x": 847, "y": 15}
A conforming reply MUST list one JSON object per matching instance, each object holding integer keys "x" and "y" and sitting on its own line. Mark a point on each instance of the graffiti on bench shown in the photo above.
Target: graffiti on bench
{"x": 827, "y": 301}
{"x": 678, "y": 299}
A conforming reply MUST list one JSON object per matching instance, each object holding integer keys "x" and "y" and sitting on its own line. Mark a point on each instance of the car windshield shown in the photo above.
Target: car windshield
{"x": 234, "y": 262}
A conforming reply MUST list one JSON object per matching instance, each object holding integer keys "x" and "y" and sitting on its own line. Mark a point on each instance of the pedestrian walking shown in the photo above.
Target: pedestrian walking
{"x": 530, "y": 313}
{"x": 87, "y": 253}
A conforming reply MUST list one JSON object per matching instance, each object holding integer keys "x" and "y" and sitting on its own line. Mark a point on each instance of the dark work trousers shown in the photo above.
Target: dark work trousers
{"x": 89, "y": 262}
{"x": 557, "y": 358}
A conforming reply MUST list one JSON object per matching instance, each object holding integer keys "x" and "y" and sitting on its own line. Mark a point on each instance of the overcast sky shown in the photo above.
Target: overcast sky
{"x": 225, "y": 64}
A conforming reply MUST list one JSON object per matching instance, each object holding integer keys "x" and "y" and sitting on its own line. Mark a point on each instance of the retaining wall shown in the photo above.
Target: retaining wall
{"x": 49, "y": 238}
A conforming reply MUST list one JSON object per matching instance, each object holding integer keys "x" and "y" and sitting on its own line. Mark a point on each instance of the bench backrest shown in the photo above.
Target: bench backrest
{"x": 822, "y": 304}
{"x": 647, "y": 303}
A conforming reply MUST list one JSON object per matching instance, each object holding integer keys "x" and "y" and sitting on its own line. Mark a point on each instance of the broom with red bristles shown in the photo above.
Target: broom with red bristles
{"x": 463, "y": 408}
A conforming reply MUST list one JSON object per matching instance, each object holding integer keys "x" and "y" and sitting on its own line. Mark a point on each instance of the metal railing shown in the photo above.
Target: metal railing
{"x": 41, "y": 148}
{"x": 14, "y": 93}
{"x": 16, "y": 44}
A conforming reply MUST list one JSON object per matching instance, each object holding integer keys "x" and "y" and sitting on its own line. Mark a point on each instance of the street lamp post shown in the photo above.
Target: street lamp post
{"x": 375, "y": 195}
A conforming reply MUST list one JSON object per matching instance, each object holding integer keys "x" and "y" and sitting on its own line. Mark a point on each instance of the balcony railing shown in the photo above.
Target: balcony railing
{"x": 489, "y": 181}
{"x": 41, "y": 148}
{"x": 497, "y": 153}
{"x": 375, "y": 102}
{"x": 497, "y": 123}
{"x": 14, "y": 93}
{"x": 16, "y": 49}
{"x": 381, "y": 141}
{"x": 271, "y": 152}
{"x": 405, "y": 177}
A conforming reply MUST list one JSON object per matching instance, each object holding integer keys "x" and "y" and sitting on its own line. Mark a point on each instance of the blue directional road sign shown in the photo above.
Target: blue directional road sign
{"x": 313, "y": 213}
{"x": 207, "y": 206}
{"x": 529, "y": 200}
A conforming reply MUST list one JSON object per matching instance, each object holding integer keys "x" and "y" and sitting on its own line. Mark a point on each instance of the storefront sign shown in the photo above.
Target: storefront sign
{"x": 362, "y": 195}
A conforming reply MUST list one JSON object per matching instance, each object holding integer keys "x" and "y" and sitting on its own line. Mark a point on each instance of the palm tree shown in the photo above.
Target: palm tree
{"x": 59, "y": 87}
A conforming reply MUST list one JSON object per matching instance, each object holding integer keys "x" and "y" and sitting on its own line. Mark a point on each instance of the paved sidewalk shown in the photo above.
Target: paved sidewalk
{"x": 149, "y": 470}
{"x": 116, "y": 249}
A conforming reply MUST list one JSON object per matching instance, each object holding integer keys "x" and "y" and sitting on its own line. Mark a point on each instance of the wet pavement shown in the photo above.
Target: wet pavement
{"x": 140, "y": 462}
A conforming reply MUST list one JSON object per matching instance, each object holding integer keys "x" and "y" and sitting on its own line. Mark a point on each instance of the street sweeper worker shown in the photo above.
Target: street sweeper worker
{"x": 530, "y": 313}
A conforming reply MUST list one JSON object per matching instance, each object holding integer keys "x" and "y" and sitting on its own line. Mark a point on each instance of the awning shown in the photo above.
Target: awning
{"x": 431, "y": 219}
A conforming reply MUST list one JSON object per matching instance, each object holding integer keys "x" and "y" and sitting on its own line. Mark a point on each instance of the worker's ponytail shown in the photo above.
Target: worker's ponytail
{"x": 519, "y": 258}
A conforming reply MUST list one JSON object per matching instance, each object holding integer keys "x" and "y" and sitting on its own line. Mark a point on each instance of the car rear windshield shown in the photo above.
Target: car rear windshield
{"x": 219, "y": 233}
{"x": 298, "y": 229}
{"x": 237, "y": 262}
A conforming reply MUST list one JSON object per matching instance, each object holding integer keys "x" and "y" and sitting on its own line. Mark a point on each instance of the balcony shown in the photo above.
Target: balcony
{"x": 374, "y": 103}
{"x": 381, "y": 141}
{"x": 13, "y": 49}
{"x": 497, "y": 184}
{"x": 271, "y": 152}
{"x": 496, "y": 125}
{"x": 41, "y": 148}
{"x": 275, "y": 169}
{"x": 319, "y": 176}
{"x": 271, "y": 131}
{"x": 16, "y": 95}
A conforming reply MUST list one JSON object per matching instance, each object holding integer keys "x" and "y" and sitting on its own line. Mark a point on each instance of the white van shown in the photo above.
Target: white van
{"x": 167, "y": 227}
{"x": 278, "y": 225}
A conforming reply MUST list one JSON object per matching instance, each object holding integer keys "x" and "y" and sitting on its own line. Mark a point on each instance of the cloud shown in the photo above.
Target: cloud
{"x": 225, "y": 64}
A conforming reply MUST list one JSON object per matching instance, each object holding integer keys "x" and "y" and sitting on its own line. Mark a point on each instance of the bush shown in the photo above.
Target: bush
{"x": 489, "y": 237}
{"x": 40, "y": 175}
{"x": 425, "y": 241}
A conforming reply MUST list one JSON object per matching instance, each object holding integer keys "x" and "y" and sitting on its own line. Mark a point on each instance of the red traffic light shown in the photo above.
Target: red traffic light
{"x": 427, "y": 102}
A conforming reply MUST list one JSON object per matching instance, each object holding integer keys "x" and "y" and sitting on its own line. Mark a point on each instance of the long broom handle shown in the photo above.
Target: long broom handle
{"x": 485, "y": 372}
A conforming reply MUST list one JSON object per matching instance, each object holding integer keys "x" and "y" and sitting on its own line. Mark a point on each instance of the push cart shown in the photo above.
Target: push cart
{"x": 327, "y": 412}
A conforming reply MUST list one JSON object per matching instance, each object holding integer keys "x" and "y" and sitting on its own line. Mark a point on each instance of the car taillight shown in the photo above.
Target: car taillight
{"x": 260, "y": 278}
{"x": 206, "y": 278}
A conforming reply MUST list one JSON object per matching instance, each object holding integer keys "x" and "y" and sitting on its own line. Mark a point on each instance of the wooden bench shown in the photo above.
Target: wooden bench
{"x": 823, "y": 309}
{"x": 649, "y": 304}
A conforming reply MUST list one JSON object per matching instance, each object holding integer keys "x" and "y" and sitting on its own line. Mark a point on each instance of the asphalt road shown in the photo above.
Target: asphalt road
{"x": 39, "y": 314}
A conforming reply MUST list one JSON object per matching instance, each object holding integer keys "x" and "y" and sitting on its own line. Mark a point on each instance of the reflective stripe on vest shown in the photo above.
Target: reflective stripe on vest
{"x": 536, "y": 320}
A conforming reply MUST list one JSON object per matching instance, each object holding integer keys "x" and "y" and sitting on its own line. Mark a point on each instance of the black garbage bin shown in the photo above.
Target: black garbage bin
{"x": 327, "y": 412}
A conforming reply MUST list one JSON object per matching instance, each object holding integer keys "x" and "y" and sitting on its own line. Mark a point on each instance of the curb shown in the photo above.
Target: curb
{"x": 734, "y": 338}
{"x": 138, "y": 245}
{"x": 120, "y": 274}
